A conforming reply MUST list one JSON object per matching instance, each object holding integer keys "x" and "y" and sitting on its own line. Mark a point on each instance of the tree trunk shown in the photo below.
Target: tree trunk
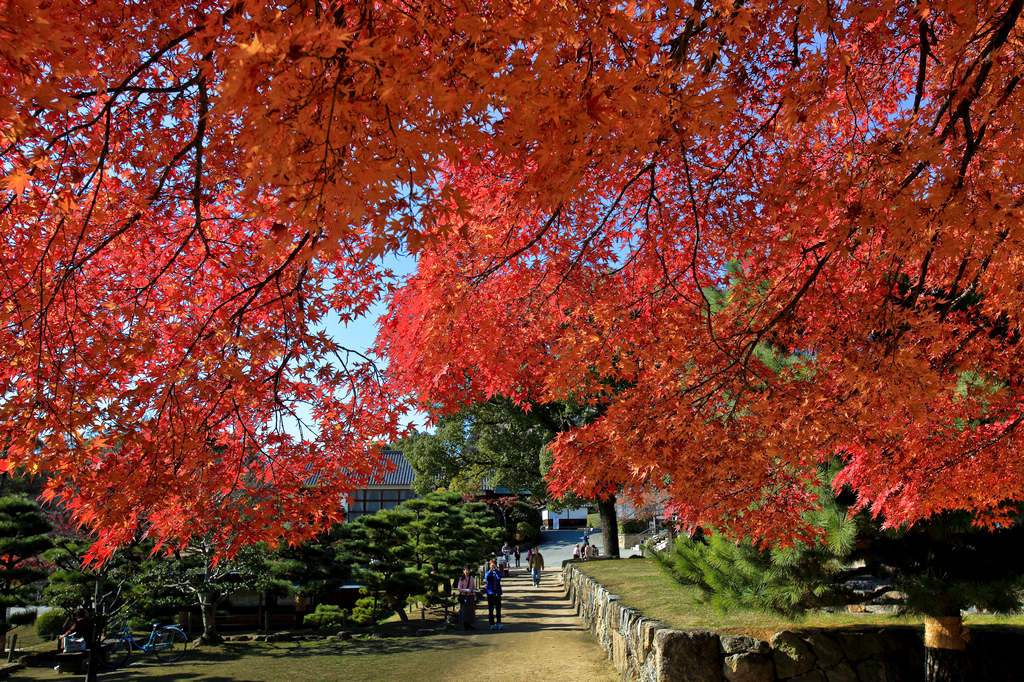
{"x": 945, "y": 653}
{"x": 209, "y": 611}
{"x": 94, "y": 642}
{"x": 609, "y": 527}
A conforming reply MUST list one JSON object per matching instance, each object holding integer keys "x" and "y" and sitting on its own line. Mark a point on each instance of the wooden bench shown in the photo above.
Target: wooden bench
{"x": 72, "y": 661}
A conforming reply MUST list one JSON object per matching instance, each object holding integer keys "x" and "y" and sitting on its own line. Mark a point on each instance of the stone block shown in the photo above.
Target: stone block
{"x": 827, "y": 651}
{"x": 841, "y": 673}
{"x": 628, "y": 620}
{"x": 812, "y": 676}
{"x": 908, "y": 666}
{"x": 614, "y": 609}
{"x": 861, "y": 645}
{"x": 648, "y": 628}
{"x": 748, "y": 667}
{"x": 620, "y": 652}
{"x": 738, "y": 644}
{"x": 792, "y": 655}
{"x": 690, "y": 655}
{"x": 872, "y": 670}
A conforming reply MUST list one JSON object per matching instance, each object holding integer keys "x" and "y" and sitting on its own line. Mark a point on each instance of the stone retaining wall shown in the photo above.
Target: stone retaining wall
{"x": 645, "y": 649}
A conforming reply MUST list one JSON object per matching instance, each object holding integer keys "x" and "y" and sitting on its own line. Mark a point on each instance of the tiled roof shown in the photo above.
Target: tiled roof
{"x": 401, "y": 475}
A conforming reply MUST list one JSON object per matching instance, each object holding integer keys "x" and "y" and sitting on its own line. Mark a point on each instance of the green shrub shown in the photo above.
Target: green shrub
{"x": 521, "y": 512}
{"x": 369, "y": 611}
{"x": 526, "y": 532}
{"x": 631, "y": 526}
{"x": 594, "y": 520}
{"x": 51, "y": 624}
{"x": 140, "y": 624}
{"x": 327, "y": 617}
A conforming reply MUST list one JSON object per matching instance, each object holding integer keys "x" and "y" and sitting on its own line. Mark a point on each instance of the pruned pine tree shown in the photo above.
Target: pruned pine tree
{"x": 198, "y": 575}
{"x": 380, "y": 551}
{"x": 936, "y": 569}
{"x": 448, "y": 534}
{"x": 24, "y": 536}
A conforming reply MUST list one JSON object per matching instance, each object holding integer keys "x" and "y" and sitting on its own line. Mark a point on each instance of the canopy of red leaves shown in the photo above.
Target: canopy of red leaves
{"x": 189, "y": 188}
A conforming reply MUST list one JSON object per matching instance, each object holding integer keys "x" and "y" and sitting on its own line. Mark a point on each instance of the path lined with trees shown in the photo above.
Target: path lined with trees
{"x": 542, "y": 638}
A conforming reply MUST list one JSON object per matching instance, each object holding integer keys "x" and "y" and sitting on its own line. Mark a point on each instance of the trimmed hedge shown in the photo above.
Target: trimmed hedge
{"x": 51, "y": 624}
{"x": 22, "y": 617}
{"x": 526, "y": 532}
{"x": 631, "y": 526}
{"x": 365, "y": 614}
{"x": 327, "y": 617}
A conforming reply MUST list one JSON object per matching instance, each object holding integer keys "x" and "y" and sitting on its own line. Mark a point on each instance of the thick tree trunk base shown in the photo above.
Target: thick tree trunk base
{"x": 946, "y": 665}
{"x": 945, "y": 648}
{"x": 609, "y": 527}
{"x": 211, "y": 638}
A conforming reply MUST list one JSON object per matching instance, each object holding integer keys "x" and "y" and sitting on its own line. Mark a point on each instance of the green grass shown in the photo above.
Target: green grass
{"x": 643, "y": 586}
{"x": 394, "y": 658}
{"x": 28, "y": 639}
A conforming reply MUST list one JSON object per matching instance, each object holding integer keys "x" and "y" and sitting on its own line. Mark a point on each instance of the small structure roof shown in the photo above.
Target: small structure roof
{"x": 401, "y": 474}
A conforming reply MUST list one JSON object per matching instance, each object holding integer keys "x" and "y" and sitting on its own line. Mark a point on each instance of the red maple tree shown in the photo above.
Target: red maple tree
{"x": 190, "y": 187}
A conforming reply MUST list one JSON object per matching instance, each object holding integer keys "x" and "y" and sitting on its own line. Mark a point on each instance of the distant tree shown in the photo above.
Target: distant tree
{"x": 505, "y": 445}
{"x": 198, "y": 575}
{"x": 23, "y": 538}
{"x": 448, "y": 534}
{"x": 106, "y": 589}
{"x": 491, "y": 444}
{"x": 308, "y": 569}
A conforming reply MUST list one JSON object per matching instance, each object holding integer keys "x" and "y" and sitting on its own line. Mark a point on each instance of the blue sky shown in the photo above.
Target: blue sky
{"x": 359, "y": 334}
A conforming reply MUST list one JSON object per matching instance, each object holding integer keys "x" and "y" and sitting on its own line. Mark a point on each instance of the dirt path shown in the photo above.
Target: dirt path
{"x": 542, "y": 639}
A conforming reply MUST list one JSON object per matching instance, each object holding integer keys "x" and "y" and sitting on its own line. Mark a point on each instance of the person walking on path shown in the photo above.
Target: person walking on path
{"x": 467, "y": 599}
{"x": 517, "y": 556}
{"x": 492, "y": 583}
{"x": 536, "y": 566}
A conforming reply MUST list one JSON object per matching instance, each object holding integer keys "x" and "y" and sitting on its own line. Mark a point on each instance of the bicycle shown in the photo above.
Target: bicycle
{"x": 168, "y": 643}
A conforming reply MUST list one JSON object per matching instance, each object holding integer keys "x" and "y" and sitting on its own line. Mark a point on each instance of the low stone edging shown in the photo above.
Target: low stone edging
{"x": 648, "y": 650}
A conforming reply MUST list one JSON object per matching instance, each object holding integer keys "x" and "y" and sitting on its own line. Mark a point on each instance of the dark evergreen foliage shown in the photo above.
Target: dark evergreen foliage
{"x": 24, "y": 536}
{"x": 935, "y": 568}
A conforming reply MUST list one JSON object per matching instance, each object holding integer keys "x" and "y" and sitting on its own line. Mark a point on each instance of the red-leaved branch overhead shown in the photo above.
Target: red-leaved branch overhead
{"x": 763, "y": 237}
{"x": 188, "y": 189}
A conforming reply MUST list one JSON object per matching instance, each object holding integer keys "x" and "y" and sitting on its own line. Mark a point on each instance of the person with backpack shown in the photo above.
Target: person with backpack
{"x": 467, "y": 599}
{"x": 492, "y": 585}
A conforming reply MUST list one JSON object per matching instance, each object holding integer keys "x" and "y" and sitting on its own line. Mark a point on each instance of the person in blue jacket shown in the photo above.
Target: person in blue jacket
{"x": 492, "y": 584}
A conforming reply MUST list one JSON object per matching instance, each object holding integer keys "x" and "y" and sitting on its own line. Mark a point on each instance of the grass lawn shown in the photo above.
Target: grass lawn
{"x": 28, "y": 639}
{"x": 643, "y": 586}
{"x": 394, "y": 658}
